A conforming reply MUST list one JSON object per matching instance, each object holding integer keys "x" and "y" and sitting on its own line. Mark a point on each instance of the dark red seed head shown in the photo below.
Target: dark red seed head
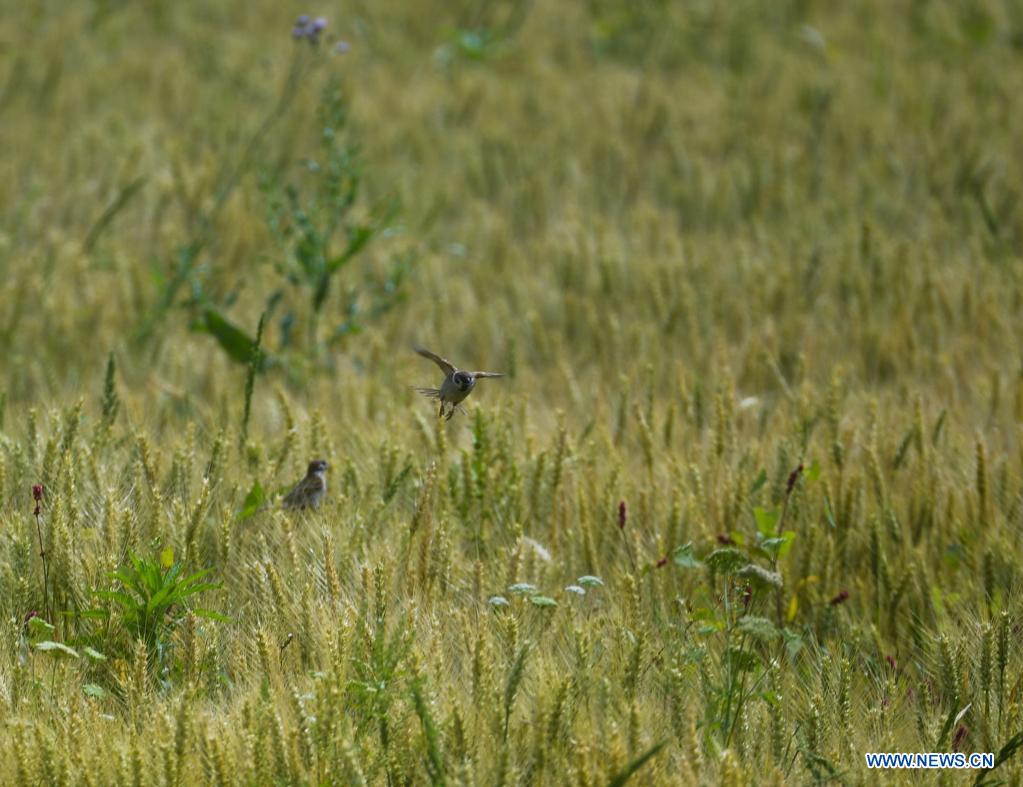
{"x": 37, "y": 492}
{"x": 793, "y": 477}
{"x": 960, "y": 737}
{"x": 662, "y": 562}
{"x": 841, "y": 598}
{"x": 623, "y": 515}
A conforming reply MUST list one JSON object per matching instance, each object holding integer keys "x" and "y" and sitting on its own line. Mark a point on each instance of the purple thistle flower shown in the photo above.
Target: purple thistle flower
{"x": 309, "y": 29}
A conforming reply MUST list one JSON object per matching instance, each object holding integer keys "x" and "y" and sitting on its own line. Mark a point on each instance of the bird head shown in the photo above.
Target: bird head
{"x": 463, "y": 380}
{"x": 318, "y": 466}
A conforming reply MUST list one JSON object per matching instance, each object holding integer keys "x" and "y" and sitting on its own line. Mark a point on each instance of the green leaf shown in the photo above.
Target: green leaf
{"x": 209, "y": 614}
{"x": 55, "y": 647}
{"x": 126, "y": 601}
{"x": 435, "y": 765}
{"x": 779, "y": 545}
{"x": 93, "y": 614}
{"x": 684, "y": 556}
{"x": 358, "y": 237}
{"x": 758, "y": 628}
{"x": 814, "y": 471}
{"x": 158, "y": 600}
{"x": 543, "y": 601}
{"x": 629, "y": 770}
{"x": 793, "y": 642}
{"x": 235, "y": 342}
{"x": 766, "y": 520}
{"x": 253, "y": 500}
{"x": 758, "y": 484}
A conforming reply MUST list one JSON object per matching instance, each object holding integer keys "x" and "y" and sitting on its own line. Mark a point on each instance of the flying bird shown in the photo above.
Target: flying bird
{"x": 309, "y": 492}
{"x": 457, "y": 384}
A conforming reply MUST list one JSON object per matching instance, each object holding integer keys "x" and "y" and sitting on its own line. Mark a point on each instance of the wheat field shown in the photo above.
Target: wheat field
{"x": 746, "y": 506}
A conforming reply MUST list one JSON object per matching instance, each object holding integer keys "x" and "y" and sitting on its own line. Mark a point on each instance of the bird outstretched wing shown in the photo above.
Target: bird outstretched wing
{"x": 487, "y": 374}
{"x": 430, "y": 393}
{"x": 446, "y": 366}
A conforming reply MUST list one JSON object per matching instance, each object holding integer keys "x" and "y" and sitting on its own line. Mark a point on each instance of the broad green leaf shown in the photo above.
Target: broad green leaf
{"x": 790, "y": 538}
{"x": 253, "y": 500}
{"x": 159, "y": 598}
{"x": 236, "y": 343}
{"x": 766, "y": 520}
{"x": 793, "y": 642}
{"x": 209, "y": 614}
{"x": 358, "y": 236}
{"x": 193, "y": 589}
{"x": 814, "y": 471}
{"x": 684, "y": 556}
{"x": 126, "y": 601}
{"x": 758, "y": 484}
{"x": 778, "y": 546}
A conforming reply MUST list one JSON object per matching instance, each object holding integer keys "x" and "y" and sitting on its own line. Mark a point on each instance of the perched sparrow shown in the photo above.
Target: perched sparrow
{"x": 457, "y": 384}
{"x": 309, "y": 492}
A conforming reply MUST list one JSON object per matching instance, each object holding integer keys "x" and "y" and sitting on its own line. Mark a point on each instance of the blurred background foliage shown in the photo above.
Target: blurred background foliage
{"x": 709, "y": 242}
